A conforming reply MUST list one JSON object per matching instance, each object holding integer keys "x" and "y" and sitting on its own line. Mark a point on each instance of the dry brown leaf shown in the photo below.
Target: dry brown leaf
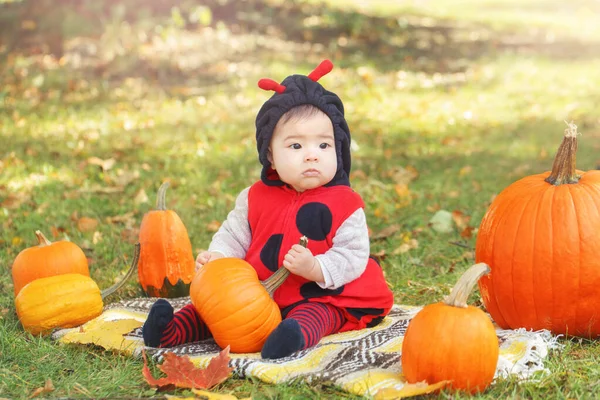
{"x": 13, "y": 201}
{"x": 47, "y": 388}
{"x": 85, "y": 224}
{"x": 386, "y": 232}
{"x": 467, "y": 232}
{"x": 405, "y": 247}
{"x": 127, "y": 219}
{"x": 404, "y": 175}
{"x": 460, "y": 219}
{"x": 104, "y": 164}
{"x": 125, "y": 177}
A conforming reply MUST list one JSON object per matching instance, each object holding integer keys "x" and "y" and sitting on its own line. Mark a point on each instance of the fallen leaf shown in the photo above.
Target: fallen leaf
{"x": 126, "y": 219}
{"x": 460, "y": 219}
{"x": 140, "y": 197}
{"x": 203, "y": 394}
{"x": 401, "y": 175}
{"x": 104, "y": 164}
{"x": 467, "y": 233}
{"x": 409, "y": 390}
{"x": 47, "y": 388}
{"x": 441, "y": 221}
{"x": 386, "y": 232}
{"x": 97, "y": 238}
{"x": 181, "y": 372}
{"x": 13, "y": 201}
{"x": 109, "y": 336}
{"x": 402, "y": 190}
{"x": 405, "y": 247}
{"x": 124, "y": 178}
{"x": 85, "y": 224}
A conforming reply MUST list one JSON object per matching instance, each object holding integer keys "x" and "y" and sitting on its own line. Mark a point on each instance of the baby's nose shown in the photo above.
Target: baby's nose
{"x": 311, "y": 156}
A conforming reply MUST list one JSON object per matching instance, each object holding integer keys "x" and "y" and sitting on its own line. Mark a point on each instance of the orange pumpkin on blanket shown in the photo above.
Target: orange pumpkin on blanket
{"x": 451, "y": 341}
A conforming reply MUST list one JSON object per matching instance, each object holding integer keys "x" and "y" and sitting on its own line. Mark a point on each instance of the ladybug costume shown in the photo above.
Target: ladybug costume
{"x": 277, "y": 217}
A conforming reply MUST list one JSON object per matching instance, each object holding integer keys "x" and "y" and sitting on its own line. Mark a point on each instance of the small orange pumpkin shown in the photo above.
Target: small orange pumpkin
{"x": 450, "y": 341}
{"x": 63, "y": 301}
{"x": 237, "y": 308}
{"x": 541, "y": 239}
{"x": 167, "y": 265}
{"x": 47, "y": 259}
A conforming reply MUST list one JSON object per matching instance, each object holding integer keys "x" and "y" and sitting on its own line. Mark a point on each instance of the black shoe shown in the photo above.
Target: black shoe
{"x": 159, "y": 317}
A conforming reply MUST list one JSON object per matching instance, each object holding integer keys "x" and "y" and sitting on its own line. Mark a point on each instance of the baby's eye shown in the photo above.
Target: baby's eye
{"x": 296, "y": 146}
{"x": 324, "y": 145}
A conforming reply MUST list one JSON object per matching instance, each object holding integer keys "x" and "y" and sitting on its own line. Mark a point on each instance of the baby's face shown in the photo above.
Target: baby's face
{"x": 303, "y": 153}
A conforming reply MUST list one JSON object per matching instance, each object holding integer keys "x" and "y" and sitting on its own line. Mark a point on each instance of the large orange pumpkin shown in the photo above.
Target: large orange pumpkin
{"x": 167, "y": 265}
{"x": 237, "y": 308}
{"x": 47, "y": 259}
{"x": 451, "y": 341}
{"x": 541, "y": 238}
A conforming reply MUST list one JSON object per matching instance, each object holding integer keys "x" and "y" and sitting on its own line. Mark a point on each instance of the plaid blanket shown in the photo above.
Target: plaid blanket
{"x": 364, "y": 362}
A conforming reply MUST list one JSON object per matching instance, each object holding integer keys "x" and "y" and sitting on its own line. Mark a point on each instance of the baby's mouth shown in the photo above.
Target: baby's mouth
{"x": 311, "y": 172}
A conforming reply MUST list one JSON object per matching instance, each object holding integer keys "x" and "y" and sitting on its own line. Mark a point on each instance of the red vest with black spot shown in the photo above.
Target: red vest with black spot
{"x": 279, "y": 216}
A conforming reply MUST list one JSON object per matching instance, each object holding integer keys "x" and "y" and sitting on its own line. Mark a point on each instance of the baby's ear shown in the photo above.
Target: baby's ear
{"x": 270, "y": 158}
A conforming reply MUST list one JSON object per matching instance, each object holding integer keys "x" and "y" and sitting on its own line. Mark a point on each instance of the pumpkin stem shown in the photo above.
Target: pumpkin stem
{"x": 563, "y": 169}
{"x": 42, "y": 241}
{"x": 273, "y": 282}
{"x": 463, "y": 288}
{"x": 133, "y": 267}
{"x": 160, "y": 197}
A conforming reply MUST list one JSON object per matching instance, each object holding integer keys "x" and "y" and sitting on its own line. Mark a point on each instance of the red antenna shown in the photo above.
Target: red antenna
{"x": 323, "y": 69}
{"x": 270, "y": 84}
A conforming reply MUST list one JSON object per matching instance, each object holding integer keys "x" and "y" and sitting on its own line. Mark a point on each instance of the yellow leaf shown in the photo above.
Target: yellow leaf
{"x": 101, "y": 333}
{"x": 206, "y": 395}
{"x": 16, "y": 241}
{"x": 409, "y": 390}
{"x": 402, "y": 190}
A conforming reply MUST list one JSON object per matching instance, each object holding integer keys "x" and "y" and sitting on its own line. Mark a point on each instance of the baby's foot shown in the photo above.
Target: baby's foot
{"x": 159, "y": 317}
{"x": 286, "y": 339}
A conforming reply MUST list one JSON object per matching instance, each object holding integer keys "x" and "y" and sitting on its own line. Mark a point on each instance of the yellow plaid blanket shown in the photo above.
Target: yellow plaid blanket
{"x": 364, "y": 362}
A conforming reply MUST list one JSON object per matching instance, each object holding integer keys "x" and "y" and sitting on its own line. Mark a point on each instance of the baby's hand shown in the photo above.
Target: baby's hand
{"x": 300, "y": 261}
{"x": 205, "y": 257}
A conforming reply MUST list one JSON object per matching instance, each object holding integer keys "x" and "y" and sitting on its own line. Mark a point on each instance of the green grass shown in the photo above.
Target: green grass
{"x": 470, "y": 118}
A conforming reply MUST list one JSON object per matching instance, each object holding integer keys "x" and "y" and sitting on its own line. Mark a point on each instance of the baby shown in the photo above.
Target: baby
{"x": 303, "y": 144}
